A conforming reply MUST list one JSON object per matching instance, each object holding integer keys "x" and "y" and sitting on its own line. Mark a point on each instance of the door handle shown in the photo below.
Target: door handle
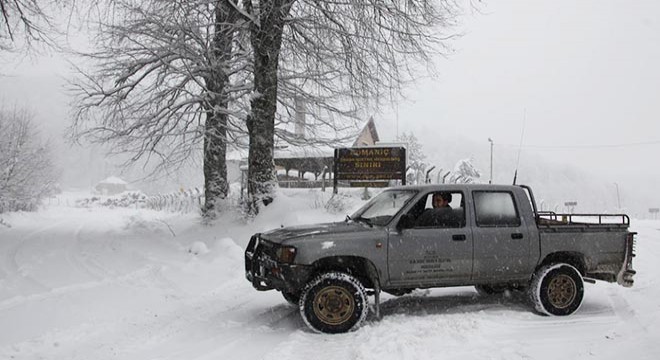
{"x": 459, "y": 237}
{"x": 516, "y": 236}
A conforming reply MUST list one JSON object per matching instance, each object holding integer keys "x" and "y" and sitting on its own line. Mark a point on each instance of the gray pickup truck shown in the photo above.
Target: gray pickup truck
{"x": 488, "y": 236}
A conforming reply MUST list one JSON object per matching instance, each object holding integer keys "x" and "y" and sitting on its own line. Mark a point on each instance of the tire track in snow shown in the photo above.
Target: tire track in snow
{"x": 15, "y": 273}
{"x": 206, "y": 327}
{"x": 75, "y": 255}
{"x": 136, "y": 278}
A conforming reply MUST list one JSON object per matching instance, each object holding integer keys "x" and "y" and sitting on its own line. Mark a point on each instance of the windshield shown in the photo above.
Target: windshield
{"x": 381, "y": 209}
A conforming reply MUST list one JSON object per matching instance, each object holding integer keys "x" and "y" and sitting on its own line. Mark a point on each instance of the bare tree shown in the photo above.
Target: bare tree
{"x": 24, "y": 17}
{"x": 267, "y": 19}
{"x": 162, "y": 87}
{"x": 172, "y": 74}
{"x": 27, "y": 173}
{"x": 354, "y": 52}
{"x": 25, "y": 23}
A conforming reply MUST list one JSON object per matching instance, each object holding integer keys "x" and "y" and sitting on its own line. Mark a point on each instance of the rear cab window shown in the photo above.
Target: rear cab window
{"x": 495, "y": 209}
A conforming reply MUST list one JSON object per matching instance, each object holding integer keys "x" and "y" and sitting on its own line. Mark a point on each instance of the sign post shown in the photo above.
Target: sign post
{"x": 369, "y": 166}
{"x": 570, "y": 205}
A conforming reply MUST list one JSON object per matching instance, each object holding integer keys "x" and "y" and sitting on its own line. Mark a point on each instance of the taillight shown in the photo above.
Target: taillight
{"x": 632, "y": 243}
{"x": 286, "y": 254}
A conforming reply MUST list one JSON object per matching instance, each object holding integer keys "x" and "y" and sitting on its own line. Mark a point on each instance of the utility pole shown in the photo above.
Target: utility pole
{"x": 490, "y": 180}
{"x": 618, "y": 198}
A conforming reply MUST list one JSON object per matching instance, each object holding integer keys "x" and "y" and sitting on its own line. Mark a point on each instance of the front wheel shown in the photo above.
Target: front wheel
{"x": 333, "y": 303}
{"x": 557, "y": 289}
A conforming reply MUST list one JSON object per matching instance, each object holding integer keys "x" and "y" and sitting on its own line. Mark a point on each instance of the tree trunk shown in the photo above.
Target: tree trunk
{"x": 215, "y": 163}
{"x": 216, "y": 186}
{"x": 266, "y": 38}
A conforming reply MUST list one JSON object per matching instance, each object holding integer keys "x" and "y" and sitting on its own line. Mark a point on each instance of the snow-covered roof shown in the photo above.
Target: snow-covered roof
{"x": 304, "y": 152}
{"x": 113, "y": 180}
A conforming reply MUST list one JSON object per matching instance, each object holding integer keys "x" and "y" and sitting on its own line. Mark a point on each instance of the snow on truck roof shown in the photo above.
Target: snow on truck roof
{"x": 450, "y": 187}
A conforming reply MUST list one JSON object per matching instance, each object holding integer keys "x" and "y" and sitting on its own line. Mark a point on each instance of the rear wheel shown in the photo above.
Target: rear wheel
{"x": 334, "y": 302}
{"x": 557, "y": 289}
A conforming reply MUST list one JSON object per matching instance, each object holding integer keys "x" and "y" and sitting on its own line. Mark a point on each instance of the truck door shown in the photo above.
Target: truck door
{"x": 501, "y": 239}
{"x": 435, "y": 250}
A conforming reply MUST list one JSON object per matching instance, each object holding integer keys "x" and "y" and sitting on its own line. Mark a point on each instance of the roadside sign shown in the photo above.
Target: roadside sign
{"x": 370, "y": 166}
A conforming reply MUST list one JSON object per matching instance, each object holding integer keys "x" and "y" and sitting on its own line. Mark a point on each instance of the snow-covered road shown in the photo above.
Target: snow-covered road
{"x": 135, "y": 284}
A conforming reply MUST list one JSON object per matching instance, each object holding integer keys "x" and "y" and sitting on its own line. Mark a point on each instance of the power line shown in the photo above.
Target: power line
{"x": 602, "y": 146}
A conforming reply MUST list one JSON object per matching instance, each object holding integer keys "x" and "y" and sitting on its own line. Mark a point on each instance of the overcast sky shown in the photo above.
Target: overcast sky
{"x": 581, "y": 75}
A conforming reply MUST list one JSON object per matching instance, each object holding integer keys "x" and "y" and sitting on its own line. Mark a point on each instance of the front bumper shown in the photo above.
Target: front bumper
{"x": 266, "y": 273}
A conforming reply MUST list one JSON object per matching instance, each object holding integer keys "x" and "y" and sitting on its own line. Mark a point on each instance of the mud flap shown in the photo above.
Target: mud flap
{"x": 377, "y": 301}
{"x": 375, "y": 280}
{"x": 376, "y": 306}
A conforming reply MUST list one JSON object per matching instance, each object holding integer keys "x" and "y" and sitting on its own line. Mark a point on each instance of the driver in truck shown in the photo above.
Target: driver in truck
{"x": 441, "y": 200}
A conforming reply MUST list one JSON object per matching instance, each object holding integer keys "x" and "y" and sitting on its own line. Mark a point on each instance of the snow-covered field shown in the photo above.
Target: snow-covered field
{"x": 100, "y": 283}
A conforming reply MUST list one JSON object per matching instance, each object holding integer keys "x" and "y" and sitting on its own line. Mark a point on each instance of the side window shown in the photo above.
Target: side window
{"x": 442, "y": 209}
{"x": 495, "y": 209}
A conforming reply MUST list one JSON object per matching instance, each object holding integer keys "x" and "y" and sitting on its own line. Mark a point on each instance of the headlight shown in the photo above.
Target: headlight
{"x": 286, "y": 254}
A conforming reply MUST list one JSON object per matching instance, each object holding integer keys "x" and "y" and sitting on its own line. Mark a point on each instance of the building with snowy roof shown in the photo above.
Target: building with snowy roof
{"x": 111, "y": 186}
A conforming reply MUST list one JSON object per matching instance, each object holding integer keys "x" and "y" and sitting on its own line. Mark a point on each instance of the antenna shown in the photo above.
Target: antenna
{"x": 522, "y": 134}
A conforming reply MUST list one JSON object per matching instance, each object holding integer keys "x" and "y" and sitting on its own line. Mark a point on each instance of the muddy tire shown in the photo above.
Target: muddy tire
{"x": 291, "y": 298}
{"x": 333, "y": 303}
{"x": 557, "y": 289}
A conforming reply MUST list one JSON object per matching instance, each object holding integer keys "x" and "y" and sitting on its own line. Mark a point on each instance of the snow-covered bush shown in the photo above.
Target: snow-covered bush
{"x": 134, "y": 199}
{"x": 27, "y": 174}
{"x": 339, "y": 203}
{"x": 465, "y": 172}
{"x": 184, "y": 201}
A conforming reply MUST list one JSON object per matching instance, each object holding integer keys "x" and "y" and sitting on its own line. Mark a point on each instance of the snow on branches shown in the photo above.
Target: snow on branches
{"x": 27, "y": 174}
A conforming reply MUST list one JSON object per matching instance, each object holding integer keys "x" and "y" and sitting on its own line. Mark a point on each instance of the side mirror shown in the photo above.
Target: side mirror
{"x": 406, "y": 221}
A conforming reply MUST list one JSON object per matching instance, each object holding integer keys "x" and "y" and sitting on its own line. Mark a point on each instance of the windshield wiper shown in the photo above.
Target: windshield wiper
{"x": 348, "y": 218}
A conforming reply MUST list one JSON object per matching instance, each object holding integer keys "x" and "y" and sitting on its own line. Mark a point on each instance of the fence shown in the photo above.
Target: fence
{"x": 184, "y": 201}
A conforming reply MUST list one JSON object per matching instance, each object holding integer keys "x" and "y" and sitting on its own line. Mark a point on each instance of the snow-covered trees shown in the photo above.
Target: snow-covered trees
{"x": 24, "y": 17}
{"x": 27, "y": 173}
{"x": 173, "y": 74}
{"x": 162, "y": 88}
{"x": 465, "y": 172}
{"x": 416, "y": 158}
{"x": 344, "y": 53}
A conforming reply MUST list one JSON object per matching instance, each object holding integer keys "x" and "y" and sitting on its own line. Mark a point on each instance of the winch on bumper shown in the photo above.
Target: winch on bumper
{"x": 265, "y": 270}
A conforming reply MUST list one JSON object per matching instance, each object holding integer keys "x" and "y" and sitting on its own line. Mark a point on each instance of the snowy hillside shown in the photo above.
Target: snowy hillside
{"x": 101, "y": 283}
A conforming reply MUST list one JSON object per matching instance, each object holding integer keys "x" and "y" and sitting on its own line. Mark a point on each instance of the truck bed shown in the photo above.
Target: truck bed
{"x": 604, "y": 243}
{"x": 550, "y": 221}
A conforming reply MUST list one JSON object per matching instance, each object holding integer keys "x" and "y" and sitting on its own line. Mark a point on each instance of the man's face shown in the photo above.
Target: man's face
{"x": 438, "y": 201}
